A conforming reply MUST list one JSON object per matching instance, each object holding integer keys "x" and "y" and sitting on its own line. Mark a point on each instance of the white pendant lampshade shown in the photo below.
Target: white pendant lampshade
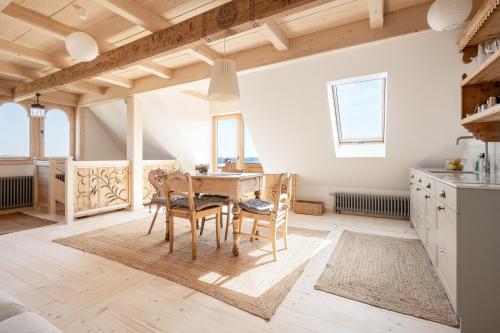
{"x": 448, "y": 14}
{"x": 224, "y": 82}
{"x": 81, "y": 46}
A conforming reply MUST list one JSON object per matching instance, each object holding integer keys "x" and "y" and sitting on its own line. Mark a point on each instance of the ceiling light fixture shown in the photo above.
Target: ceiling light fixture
{"x": 446, "y": 15}
{"x": 224, "y": 80}
{"x": 81, "y": 46}
{"x": 37, "y": 110}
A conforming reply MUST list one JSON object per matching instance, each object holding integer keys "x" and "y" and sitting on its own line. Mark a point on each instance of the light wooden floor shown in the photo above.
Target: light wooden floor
{"x": 80, "y": 292}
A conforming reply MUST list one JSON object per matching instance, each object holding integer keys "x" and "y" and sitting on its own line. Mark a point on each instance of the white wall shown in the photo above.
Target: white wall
{"x": 423, "y": 107}
{"x": 99, "y": 143}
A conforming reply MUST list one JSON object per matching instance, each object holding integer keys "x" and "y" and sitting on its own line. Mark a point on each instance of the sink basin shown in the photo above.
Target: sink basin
{"x": 455, "y": 172}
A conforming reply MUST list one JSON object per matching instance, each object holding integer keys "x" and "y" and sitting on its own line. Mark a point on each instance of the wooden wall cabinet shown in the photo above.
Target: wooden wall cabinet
{"x": 484, "y": 82}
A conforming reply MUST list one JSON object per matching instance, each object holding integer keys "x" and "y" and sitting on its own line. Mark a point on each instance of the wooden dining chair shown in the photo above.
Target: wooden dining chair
{"x": 182, "y": 203}
{"x": 156, "y": 178}
{"x": 228, "y": 205}
{"x": 269, "y": 215}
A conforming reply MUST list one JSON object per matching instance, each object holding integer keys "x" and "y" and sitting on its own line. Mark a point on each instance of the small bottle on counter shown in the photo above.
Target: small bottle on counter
{"x": 479, "y": 167}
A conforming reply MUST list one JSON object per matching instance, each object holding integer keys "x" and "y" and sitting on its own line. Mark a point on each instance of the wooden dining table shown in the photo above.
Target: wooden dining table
{"x": 233, "y": 185}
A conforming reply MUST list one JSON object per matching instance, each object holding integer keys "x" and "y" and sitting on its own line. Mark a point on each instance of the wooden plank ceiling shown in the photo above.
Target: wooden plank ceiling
{"x": 33, "y": 33}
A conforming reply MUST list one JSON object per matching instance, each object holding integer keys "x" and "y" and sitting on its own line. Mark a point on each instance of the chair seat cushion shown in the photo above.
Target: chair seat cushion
{"x": 257, "y": 206}
{"x": 27, "y": 322}
{"x": 216, "y": 197}
{"x": 158, "y": 200}
{"x": 199, "y": 203}
{"x": 9, "y": 306}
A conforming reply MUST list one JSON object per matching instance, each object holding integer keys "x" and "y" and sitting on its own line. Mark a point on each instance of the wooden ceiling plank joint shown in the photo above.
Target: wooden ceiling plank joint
{"x": 136, "y": 13}
{"x": 376, "y": 13}
{"x": 275, "y": 36}
{"x": 204, "y": 53}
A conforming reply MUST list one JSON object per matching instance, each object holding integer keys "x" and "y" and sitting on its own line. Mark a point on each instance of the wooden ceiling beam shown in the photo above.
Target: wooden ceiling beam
{"x": 116, "y": 80}
{"x": 135, "y": 13}
{"x": 376, "y": 13}
{"x": 38, "y": 21}
{"x": 275, "y": 36}
{"x": 204, "y": 53}
{"x": 406, "y": 21}
{"x": 86, "y": 88}
{"x": 33, "y": 55}
{"x": 232, "y": 17}
{"x": 60, "y": 31}
{"x": 156, "y": 69}
{"x": 18, "y": 72}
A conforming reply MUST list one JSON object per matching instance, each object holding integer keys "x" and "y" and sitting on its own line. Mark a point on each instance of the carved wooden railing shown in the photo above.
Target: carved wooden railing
{"x": 97, "y": 187}
{"x": 147, "y": 166}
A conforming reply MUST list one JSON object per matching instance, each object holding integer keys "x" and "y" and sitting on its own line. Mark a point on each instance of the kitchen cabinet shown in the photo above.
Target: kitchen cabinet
{"x": 457, "y": 218}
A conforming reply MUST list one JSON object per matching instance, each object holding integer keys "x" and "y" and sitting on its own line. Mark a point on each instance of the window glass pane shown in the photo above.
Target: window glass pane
{"x": 360, "y": 107}
{"x": 227, "y": 137}
{"x": 251, "y": 155}
{"x": 56, "y": 133}
{"x": 14, "y": 131}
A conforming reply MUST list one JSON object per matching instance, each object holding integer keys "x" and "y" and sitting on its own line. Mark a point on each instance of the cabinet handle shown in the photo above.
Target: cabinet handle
{"x": 411, "y": 183}
{"x": 443, "y": 252}
{"x": 442, "y": 194}
{"x": 412, "y": 176}
{"x": 420, "y": 180}
{"x": 418, "y": 188}
{"x": 440, "y": 208}
{"x": 428, "y": 185}
{"x": 427, "y": 196}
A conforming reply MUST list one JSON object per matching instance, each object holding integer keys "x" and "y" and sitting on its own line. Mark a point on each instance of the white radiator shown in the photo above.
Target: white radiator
{"x": 372, "y": 204}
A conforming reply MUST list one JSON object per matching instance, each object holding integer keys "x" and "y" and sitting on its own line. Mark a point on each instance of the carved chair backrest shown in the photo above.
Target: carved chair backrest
{"x": 282, "y": 198}
{"x": 179, "y": 184}
{"x": 156, "y": 178}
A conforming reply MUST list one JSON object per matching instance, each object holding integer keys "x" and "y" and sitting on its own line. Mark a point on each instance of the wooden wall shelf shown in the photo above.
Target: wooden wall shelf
{"x": 489, "y": 71}
{"x": 483, "y": 26}
{"x": 491, "y": 114}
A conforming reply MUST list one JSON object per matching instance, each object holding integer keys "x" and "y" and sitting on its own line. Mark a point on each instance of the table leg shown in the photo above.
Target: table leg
{"x": 236, "y": 225}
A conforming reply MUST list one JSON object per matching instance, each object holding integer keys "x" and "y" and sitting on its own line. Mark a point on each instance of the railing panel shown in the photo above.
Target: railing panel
{"x": 100, "y": 186}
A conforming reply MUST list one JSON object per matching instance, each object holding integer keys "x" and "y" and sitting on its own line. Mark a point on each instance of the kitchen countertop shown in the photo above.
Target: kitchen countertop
{"x": 467, "y": 179}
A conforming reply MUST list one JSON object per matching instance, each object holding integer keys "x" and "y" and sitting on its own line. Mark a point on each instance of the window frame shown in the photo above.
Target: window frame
{"x": 36, "y": 126}
{"x": 69, "y": 115}
{"x": 30, "y": 135}
{"x": 239, "y": 139}
{"x": 332, "y": 86}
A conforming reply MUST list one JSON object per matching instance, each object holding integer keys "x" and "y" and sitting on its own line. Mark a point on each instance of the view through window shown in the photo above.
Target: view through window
{"x": 231, "y": 141}
{"x": 14, "y": 131}
{"x": 56, "y": 134}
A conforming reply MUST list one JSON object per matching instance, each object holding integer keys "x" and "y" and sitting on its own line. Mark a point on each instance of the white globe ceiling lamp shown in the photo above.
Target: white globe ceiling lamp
{"x": 224, "y": 82}
{"x": 446, "y": 15}
{"x": 81, "y": 46}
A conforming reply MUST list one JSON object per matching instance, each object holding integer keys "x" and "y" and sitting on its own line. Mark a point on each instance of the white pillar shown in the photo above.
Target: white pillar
{"x": 134, "y": 150}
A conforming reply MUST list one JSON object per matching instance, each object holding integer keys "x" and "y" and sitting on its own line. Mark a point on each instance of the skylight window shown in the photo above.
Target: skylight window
{"x": 357, "y": 107}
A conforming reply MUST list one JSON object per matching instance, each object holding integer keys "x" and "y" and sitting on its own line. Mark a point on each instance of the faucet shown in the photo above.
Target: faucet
{"x": 463, "y": 138}
{"x": 487, "y": 166}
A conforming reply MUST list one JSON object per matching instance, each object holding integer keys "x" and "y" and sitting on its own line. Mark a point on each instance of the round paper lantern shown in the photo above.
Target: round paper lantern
{"x": 81, "y": 46}
{"x": 448, "y": 14}
{"x": 224, "y": 82}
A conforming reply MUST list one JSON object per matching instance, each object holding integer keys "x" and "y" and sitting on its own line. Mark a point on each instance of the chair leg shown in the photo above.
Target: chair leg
{"x": 154, "y": 219}
{"x": 193, "y": 238}
{"x": 227, "y": 227}
{"x": 149, "y": 207}
{"x": 202, "y": 225}
{"x": 273, "y": 236}
{"x": 254, "y": 230}
{"x": 218, "y": 220}
{"x": 170, "y": 234}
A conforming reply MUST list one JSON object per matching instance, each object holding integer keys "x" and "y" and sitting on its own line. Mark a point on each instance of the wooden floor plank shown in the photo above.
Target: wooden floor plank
{"x": 81, "y": 292}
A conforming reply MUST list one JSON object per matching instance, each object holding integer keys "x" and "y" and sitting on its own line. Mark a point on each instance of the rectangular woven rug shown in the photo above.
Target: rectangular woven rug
{"x": 252, "y": 282}
{"x": 17, "y": 222}
{"x": 387, "y": 272}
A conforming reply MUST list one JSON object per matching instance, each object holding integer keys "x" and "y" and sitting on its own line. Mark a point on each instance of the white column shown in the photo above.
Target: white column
{"x": 134, "y": 150}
